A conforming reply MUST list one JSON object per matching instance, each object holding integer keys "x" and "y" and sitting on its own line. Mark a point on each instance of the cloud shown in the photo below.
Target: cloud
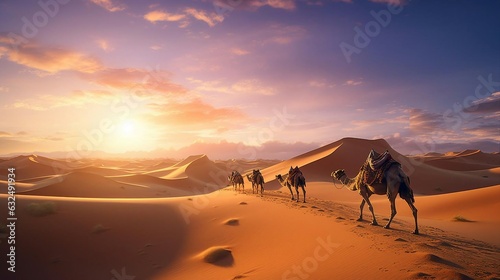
{"x": 209, "y": 18}
{"x": 5, "y": 134}
{"x": 160, "y": 15}
{"x": 239, "y": 51}
{"x": 77, "y": 98}
{"x": 489, "y": 130}
{"x": 353, "y": 82}
{"x": 425, "y": 122}
{"x": 277, "y": 4}
{"x": 136, "y": 79}
{"x": 51, "y": 60}
{"x": 252, "y": 86}
{"x": 195, "y": 114}
{"x": 104, "y": 45}
{"x": 109, "y": 5}
{"x": 282, "y": 34}
{"x": 490, "y": 104}
{"x": 156, "y": 47}
{"x": 247, "y": 87}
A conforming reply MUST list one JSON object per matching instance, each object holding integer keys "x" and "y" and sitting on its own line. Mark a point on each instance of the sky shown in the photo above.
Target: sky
{"x": 247, "y": 78}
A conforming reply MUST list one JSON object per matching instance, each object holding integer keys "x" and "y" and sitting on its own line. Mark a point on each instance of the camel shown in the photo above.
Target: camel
{"x": 393, "y": 181}
{"x": 236, "y": 180}
{"x": 257, "y": 180}
{"x": 295, "y": 179}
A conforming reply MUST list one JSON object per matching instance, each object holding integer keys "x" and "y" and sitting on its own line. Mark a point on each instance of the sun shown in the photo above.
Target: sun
{"x": 127, "y": 128}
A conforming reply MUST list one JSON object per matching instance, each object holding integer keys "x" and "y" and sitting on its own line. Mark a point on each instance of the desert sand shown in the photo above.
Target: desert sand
{"x": 166, "y": 219}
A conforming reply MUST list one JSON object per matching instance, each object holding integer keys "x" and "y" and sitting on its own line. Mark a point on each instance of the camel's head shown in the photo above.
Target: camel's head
{"x": 279, "y": 177}
{"x": 338, "y": 174}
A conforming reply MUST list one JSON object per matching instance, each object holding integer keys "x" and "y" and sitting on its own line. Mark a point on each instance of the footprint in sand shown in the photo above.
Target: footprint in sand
{"x": 243, "y": 203}
{"x": 220, "y": 256}
{"x": 427, "y": 257}
{"x": 232, "y": 222}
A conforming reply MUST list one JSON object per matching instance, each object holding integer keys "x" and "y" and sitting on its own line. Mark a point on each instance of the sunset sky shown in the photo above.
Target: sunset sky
{"x": 248, "y": 79}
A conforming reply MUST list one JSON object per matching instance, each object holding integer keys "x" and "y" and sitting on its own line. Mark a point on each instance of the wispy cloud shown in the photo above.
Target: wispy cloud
{"x": 282, "y": 34}
{"x": 142, "y": 80}
{"x": 353, "y": 82}
{"x": 161, "y": 15}
{"x": 195, "y": 114}
{"x": 77, "y": 99}
{"x": 490, "y": 104}
{"x": 239, "y": 51}
{"x": 277, "y": 4}
{"x": 209, "y": 18}
{"x": 104, "y": 45}
{"x": 50, "y": 59}
{"x": 110, "y": 5}
{"x": 246, "y": 87}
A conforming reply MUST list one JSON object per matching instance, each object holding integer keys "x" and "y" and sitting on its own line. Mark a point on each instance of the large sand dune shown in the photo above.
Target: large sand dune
{"x": 154, "y": 219}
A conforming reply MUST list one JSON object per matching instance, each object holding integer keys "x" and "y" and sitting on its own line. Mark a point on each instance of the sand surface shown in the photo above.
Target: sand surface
{"x": 179, "y": 219}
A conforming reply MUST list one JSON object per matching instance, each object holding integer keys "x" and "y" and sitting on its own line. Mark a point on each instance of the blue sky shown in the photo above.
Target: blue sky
{"x": 118, "y": 76}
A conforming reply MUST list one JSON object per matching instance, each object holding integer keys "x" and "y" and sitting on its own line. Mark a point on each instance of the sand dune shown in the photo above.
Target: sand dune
{"x": 160, "y": 219}
{"x": 33, "y": 166}
{"x": 80, "y": 184}
{"x": 350, "y": 154}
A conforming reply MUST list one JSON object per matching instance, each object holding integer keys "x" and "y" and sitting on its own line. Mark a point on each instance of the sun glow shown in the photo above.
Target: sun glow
{"x": 129, "y": 135}
{"x": 127, "y": 128}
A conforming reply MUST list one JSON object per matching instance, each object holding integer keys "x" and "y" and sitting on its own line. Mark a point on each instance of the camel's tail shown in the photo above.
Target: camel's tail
{"x": 405, "y": 190}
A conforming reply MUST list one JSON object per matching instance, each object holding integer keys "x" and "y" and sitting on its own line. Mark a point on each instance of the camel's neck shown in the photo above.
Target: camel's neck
{"x": 350, "y": 183}
{"x": 282, "y": 180}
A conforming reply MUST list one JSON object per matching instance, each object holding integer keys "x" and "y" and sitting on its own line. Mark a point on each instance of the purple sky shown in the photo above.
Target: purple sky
{"x": 279, "y": 76}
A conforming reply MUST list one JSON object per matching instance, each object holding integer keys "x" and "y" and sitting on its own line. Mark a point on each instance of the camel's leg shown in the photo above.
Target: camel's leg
{"x": 297, "y": 190}
{"x": 290, "y": 188}
{"x": 361, "y": 206}
{"x": 414, "y": 210}
{"x": 366, "y": 197}
{"x": 304, "y": 192}
{"x": 393, "y": 210}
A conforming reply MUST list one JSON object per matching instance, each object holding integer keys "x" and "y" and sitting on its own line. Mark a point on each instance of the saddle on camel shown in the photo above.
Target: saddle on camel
{"x": 375, "y": 165}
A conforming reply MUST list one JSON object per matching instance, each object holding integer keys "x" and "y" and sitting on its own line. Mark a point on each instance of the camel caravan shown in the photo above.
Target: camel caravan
{"x": 380, "y": 174}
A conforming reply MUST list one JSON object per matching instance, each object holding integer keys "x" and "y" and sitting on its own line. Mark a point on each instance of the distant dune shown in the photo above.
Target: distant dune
{"x": 166, "y": 219}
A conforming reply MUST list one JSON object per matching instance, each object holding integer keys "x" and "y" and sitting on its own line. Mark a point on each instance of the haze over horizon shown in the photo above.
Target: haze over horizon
{"x": 256, "y": 78}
